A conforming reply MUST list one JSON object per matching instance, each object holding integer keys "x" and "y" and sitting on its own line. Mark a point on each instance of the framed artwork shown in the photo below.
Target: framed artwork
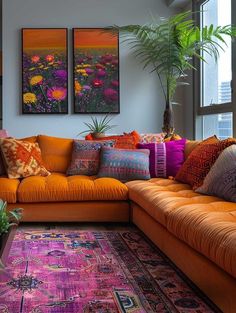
{"x": 96, "y": 71}
{"x": 44, "y": 71}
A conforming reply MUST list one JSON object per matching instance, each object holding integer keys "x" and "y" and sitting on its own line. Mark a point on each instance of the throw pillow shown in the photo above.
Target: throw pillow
{"x": 3, "y": 134}
{"x": 200, "y": 161}
{"x": 152, "y": 138}
{"x": 128, "y": 141}
{"x": 221, "y": 180}
{"x": 124, "y": 164}
{"x": 165, "y": 158}
{"x": 86, "y": 157}
{"x": 22, "y": 158}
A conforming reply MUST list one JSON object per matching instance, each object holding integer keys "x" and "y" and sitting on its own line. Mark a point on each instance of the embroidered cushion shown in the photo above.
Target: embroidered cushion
{"x": 200, "y": 161}
{"x": 22, "y": 158}
{"x": 86, "y": 157}
{"x": 3, "y": 134}
{"x": 152, "y": 138}
{"x": 221, "y": 180}
{"x": 124, "y": 164}
{"x": 127, "y": 141}
{"x": 165, "y": 158}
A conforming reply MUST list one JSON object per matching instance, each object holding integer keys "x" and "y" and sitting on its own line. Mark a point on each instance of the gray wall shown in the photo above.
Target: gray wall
{"x": 141, "y": 98}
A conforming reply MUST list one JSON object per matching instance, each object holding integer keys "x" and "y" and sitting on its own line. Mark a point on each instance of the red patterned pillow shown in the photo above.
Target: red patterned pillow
{"x": 200, "y": 161}
{"x": 127, "y": 141}
{"x": 22, "y": 158}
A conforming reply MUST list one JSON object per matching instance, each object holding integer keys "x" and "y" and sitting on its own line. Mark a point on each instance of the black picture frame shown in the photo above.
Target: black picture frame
{"x": 57, "y": 69}
{"x": 114, "y": 90}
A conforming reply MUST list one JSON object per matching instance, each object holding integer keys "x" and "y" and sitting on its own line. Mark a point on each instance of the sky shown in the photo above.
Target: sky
{"x": 93, "y": 38}
{"x": 44, "y": 38}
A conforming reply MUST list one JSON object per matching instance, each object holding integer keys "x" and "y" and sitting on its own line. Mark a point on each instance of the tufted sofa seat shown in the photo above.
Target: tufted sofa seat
{"x": 208, "y": 224}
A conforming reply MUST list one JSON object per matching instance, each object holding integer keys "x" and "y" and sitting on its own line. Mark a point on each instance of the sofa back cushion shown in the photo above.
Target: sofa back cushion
{"x": 56, "y": 152}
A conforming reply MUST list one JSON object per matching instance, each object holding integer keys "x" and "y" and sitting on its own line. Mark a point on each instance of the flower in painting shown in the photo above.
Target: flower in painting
{"x": 115, "y": 83}
{"x": 100, "y": 66}
{"x": 101, "y": 73}
{"x": 49, "y": 58}
{"x": 80, "y": 71}
{"x": 110, "y": 94}
{"x": 57, "y": 93}
{"x": 29, "y": 98}
{"x": 86, "y": 87}
{"x": 97, "y": 83}
{"x": 36, "y": 80}
{"x": 89, "y": 71}
{"x": 78, "y": 87}
{"x": 107, "y": 58}
{"x": 35, "y": 58}
{"x": 60, "y": 75}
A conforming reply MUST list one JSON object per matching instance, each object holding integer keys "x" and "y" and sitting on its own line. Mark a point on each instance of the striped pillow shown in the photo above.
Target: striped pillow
{"x": 124, "y": 164}
{"x": 165, "y": 158}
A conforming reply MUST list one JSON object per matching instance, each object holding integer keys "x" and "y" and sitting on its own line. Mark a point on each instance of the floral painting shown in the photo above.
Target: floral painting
{"x": 44, "y": 70}
{"x": 96, "y": 71}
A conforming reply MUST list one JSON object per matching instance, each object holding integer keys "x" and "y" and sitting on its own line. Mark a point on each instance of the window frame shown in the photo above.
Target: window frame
{"x": 200, "y": 111}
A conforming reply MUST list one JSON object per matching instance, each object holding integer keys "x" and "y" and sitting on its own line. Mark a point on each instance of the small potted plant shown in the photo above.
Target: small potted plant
{"x": 8, "y": 222}
{"x": 98, "y": 127}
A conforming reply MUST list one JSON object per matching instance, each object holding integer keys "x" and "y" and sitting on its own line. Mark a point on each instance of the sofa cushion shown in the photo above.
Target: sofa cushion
{"x": 165, "y": 158}
{"x": 8, "y": 189}
{"x": 158, "y": 197}
{"x": 208, "y": 228}
{"x": 56, "y": 152}
{"x": 22, "y": 158}
{"x": 86, "y": 157}
{"x": 200, "y": 161}
{"x": 220, "y": 181}
{"x": 58, "y": 187}
{"x": 124, "y": 164}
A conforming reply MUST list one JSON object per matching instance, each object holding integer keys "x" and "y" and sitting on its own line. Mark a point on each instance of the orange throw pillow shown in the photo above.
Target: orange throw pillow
{"x": 22, "y": 158}
{"x": 200, "y": 161}
{"x": 127, "y": 141}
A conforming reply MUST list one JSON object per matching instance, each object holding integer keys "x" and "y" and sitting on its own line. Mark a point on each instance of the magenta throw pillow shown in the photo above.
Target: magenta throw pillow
{"x": 165, "y": 158}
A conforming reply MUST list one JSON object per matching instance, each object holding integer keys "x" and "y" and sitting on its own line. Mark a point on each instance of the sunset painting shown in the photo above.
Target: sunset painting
{"x": 96, "y": 71}
{"x": 44, "y": 70}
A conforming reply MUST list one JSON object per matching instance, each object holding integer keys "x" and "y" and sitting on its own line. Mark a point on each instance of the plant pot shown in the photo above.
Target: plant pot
{"x": 5, "y": 243}
{"x": 98, "y": 135}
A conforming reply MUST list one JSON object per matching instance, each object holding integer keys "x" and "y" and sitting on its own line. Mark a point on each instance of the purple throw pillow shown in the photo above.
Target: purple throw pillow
{"x": 165, "y": 158}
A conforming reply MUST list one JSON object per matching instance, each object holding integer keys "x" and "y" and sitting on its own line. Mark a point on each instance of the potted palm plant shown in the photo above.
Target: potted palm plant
{"x": 168, "y": 47}
{"x": 98, "y": 127}
{"x": 8, "y": 223}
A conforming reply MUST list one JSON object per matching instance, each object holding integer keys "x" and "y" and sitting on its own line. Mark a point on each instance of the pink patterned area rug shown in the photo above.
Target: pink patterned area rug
{"x": 72, "y": 271}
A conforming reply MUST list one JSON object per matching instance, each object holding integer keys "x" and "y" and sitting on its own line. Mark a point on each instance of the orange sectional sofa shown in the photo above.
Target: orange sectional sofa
{"x": 197, "y": 232}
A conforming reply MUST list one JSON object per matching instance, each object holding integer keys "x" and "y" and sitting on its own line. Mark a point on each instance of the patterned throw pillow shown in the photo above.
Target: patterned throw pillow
{"x": 221, "y": 180}
{"x": 152, "y": 138}
{"x": 22, "y": 158}
{"x": 124, "y": 164}
{"x": 3, "y": 134}
{"x": 127, "y": 141}
{"x": 86, "y": 157}
{"x": 165, "y": 158}
{"x": 200, "y": 161}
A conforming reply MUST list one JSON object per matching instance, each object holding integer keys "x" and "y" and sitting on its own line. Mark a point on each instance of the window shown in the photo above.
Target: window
{"x": 214, "y": 80}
